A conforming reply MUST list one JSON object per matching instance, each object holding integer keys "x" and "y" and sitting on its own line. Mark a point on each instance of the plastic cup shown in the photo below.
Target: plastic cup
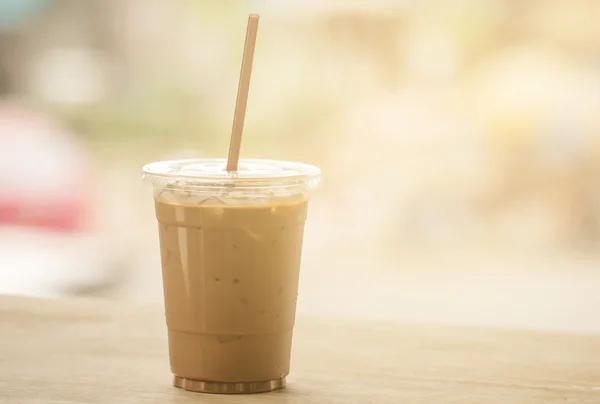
{"x": 230, "y": 248}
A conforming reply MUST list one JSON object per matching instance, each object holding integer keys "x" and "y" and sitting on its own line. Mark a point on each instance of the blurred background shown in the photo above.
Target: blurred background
{"x": 459, "y": 140}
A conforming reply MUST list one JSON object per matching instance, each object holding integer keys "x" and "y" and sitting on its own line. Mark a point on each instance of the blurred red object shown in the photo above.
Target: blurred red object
{"x": 43, "y": 173}
{"x": 59, "y": 215}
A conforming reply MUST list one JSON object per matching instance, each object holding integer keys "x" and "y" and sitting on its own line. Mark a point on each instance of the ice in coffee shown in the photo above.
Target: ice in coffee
{"x": 230, "y": 248}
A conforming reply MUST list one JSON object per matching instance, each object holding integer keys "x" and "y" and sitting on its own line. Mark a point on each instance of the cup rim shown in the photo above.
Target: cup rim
{"x": 211, "y": 172}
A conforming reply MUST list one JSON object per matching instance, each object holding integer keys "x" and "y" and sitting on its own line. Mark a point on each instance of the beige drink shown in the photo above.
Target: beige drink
{"x": 230, "y": 266}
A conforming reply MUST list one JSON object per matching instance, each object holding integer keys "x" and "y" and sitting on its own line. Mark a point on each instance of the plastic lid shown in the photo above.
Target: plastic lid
{"x": 252, "y": 174}
{"x": 214, "y": 169}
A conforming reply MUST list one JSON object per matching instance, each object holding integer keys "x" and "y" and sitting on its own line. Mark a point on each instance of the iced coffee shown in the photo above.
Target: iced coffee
{"x": 230, "y": 249}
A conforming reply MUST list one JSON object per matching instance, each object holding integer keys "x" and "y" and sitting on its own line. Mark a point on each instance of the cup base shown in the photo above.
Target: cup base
{"x": 228, "y": 388}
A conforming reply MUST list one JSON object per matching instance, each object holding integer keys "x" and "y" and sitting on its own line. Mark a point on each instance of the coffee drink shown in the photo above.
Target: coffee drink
{"x": 230, "y": 274}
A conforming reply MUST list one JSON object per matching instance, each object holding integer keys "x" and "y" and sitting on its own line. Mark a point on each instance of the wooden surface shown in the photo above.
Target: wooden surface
{"x": 76, "y": 351}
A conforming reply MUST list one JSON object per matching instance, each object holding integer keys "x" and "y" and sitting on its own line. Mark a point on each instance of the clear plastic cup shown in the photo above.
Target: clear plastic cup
{"x": 230, "y": 250}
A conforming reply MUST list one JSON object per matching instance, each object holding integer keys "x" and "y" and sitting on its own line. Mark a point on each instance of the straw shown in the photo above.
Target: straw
{"x": 242, "y": 95}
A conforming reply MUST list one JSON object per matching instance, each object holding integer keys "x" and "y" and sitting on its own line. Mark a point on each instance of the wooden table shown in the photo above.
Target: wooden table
{"x": 76, "y": 351}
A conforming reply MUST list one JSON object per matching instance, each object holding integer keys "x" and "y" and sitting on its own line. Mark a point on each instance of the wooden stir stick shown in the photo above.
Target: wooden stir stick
{"x": 242, "y": 95}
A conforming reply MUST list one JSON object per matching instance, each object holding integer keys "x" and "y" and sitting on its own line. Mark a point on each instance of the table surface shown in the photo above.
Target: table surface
{"x": 76, "y": 351}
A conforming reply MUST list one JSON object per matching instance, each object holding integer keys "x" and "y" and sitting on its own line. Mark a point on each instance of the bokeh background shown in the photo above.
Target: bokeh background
{"x": 459, "y": 140}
